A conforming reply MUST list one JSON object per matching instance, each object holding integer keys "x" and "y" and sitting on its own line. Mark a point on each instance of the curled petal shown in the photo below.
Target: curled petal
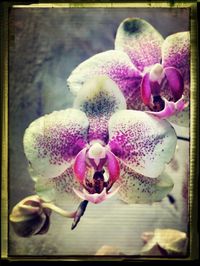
{"x": 140, "y": 41}
{"x": 137, "y": 188}
{"x": 117, "y": 66}
{"x": 96, "y": 197}
{"x": 142, "y": 141}
{"x": 80, "y": 166}
{"x": 146, "y": 89}
{"x": 99, "y": 98}
{"x": 51, "y": 142}
{"x": 170, "y": 109}
{"x": 113, "y": 166}
{"x": 176, "y": 53}
{"x": 175, "y": 81}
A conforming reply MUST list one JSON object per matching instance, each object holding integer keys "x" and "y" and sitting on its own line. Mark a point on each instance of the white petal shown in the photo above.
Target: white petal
{"x": 115, "y": 64}
{"x": 51, "y": 142}
{"x": 142, "y": 141}
{"x": 136, "y": 188}
{"x": 140, "y": 40}
{"x": 99, "y": 98}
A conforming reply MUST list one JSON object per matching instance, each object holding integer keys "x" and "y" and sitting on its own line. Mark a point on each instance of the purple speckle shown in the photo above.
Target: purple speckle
{"x": 60, "y": 143}
{"x": 134, "y": 143}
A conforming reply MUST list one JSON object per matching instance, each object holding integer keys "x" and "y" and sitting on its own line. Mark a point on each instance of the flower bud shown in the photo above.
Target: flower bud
{"x": 29, "y": 218}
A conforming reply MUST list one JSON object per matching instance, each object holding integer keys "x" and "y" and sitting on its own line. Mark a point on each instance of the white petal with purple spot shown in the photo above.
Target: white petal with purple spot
{"x": 114, "y": 64}
{"x": 136, "y": 188}
{"x": 140, "y": 41}
{"x": 99, "y": 98}
{"x": 51, "y": 142}
{"x": 143, "y": 142}
{"x": 57, "y": 188}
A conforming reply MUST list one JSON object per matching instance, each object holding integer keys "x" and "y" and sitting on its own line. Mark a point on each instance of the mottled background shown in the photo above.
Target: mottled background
{"x": 45, "y": 45}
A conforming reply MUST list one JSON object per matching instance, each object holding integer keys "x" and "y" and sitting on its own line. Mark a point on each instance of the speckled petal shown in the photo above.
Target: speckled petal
{"x": 57, "y": 188}
{"x": 136, "y": 188}
{"x": 176, "y": 53}
{"x": 51, "y": 142}
{"x": 116, "y": 65}
{"x": 99, "y": 98}
{"x": 181, "y": 118}
{"x": 142, "y": 141}
{"x": 64, "y": 184}
{"x": 140, "y": 41}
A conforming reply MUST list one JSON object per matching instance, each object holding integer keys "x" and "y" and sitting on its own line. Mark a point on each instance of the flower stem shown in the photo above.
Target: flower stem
{"x": 80, "y": 211}
{"x": 58, "y": 210}
{"x": 183, "y": 138}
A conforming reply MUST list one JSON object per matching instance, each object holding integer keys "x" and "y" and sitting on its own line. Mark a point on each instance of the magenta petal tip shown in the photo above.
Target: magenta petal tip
{"x": 80, "y": 165}
{"x": 146, "y": 89}
{"x": 113, "y": 166}
{"x": 175, "y": 81}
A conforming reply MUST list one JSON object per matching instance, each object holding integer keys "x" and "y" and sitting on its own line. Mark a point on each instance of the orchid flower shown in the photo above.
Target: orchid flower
{"x": 98, "y": 148}
{"x": 152, "y": 73}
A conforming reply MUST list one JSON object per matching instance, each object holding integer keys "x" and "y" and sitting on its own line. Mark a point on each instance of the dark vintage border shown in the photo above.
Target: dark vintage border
{"x": 193, "y": 122}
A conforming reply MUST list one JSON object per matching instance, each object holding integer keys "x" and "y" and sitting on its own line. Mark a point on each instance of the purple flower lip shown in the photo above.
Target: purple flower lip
{"x": 170, "y": 108}
{"x": 100, "y": 160}
{"x": 157, "y": 80}
{"x": 96, "y": 197}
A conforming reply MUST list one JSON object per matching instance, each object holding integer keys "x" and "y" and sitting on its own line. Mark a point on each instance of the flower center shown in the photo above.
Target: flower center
{"x": 158, "y": 104}
{"x": 97, "y": 184}
{"x": 97, "y": 169}
{"x": 96, "y": 153}
{"x": 156, "y": 73}
{"x": 160, "y": 84}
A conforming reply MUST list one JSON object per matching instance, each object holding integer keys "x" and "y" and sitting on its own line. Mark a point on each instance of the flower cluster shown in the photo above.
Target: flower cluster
{"x": 152, "y": 73}
{"x": 108, "y": 143}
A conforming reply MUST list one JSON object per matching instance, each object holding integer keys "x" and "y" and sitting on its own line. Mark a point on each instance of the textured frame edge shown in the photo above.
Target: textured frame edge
{"x": 193, "y": 126}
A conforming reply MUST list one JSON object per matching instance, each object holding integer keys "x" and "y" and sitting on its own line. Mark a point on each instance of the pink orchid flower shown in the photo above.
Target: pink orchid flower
{"x": 98, "y": 148}
{"x": 152, "y": 73}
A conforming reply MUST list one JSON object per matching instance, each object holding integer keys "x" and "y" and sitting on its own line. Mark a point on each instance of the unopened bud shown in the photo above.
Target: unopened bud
{"x": 29, "y": 218}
